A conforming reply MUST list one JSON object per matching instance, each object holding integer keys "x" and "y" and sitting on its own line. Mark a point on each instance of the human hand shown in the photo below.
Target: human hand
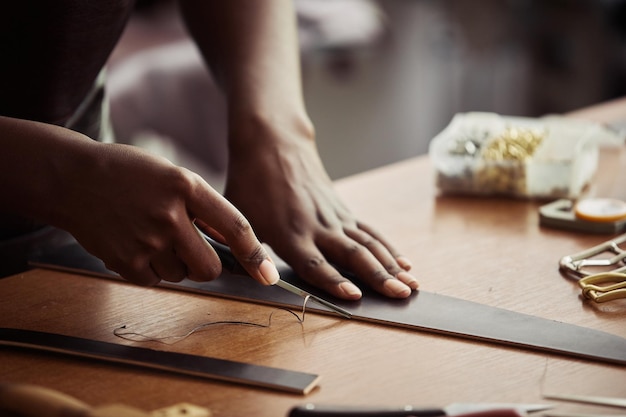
{"x": 135, "y": 211}
{"x": 287, "y": 196}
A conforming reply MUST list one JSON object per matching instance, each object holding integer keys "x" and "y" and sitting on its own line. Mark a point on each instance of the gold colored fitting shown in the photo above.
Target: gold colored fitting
{"x": 513, "y": 144}
{"x": 504, "y": 154}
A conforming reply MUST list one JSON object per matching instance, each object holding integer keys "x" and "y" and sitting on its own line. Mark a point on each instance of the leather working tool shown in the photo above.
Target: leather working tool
{"x": 452, "y": 410}
{"x": 561, "y": 214}
{"x": 230, "y": 264}
{"x": 586, "y": 399}
{"x": 423, "y": 310}
{"x": 299, "y": 291}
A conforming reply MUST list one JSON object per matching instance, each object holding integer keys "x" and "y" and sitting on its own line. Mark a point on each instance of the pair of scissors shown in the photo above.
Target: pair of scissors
{"x": 585, "y": 399}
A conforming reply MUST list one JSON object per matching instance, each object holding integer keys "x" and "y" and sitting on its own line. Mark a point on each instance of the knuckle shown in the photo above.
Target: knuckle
{"x": 257, "y": 255}
{"x": 151, "y": 244}
{"x": 393, "y": 268}
{"x": 381, "y": 276}
{"x": 354, "y": 249}
{"x": 136, "y": 263}
{"x": 314, "y": 263}
{"x": 369, "y": 242}
{"x": 209, "y": 272}
{"x": 251, "y": 257}
{"x": 124, "y": 264}
{"x": 184, "y": 180}
{"x": 241, "y": 226}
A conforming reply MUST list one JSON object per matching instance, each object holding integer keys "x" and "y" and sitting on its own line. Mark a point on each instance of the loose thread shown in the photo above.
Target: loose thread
{"x": 543, "y": 378}
{"x": 139, "y": 337}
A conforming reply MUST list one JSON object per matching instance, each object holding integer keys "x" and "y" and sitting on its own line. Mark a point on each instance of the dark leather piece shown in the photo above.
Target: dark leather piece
{"x": 181, "y": 363}
{"x": 423, "y": 311}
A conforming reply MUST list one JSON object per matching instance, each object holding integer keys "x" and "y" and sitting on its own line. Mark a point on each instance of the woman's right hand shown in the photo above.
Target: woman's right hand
{"x": 133, "y": 210}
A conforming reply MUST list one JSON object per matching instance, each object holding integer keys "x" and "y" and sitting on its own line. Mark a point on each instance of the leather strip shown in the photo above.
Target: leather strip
{"x": 180, "y": 363}
{"x": 442, "y": 314}
{"x": 423, "y": 311}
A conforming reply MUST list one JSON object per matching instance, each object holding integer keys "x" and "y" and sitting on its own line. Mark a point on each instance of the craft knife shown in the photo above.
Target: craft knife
{"x": 298, "y": 291}
{"x": 230, "y": 263}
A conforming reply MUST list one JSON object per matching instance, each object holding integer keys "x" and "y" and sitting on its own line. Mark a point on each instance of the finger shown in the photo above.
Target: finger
{"x": 383, "y": 255}
{"x": 250, "y": 252}
{"x": 138, "y": 271}
{"x": 168, "y": 267}
{"x": 219, "y": 214}
{"x": 310, "y": 265}
{"x": 349, "y": 254}
{"x": 403, "y": 261}
{"x": 202, "y": 263}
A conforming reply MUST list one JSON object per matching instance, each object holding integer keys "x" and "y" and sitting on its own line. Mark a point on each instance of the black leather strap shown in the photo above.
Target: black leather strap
{"x": 180, "y": 363}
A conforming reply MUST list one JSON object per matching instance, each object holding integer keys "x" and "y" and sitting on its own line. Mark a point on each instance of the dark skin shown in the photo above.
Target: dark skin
{"x": 277, "y": 188}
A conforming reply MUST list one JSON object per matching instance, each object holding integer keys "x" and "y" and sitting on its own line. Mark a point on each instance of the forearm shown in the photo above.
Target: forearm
{"x": 133, "y": 210}
{"x": 275, "y": 175}
{"x": 38, "y": 163}
{"x": 251, "y": 46}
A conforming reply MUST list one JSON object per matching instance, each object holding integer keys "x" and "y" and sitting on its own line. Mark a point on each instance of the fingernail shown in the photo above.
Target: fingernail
{"x": 408, "y": 279}
{"x": 397, "y": 288}
{"x": 404, "y": 262}
{"x": 350, "y": 290}
{"x": 269, "y": 272}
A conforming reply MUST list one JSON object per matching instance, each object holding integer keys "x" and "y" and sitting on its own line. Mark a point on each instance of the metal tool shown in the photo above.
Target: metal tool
{"x": 452, "y": 410}
{"x": 561, "y": 214}
{"x": 298, "y": 291}
{"x": 592, "y": 269}
{"x": 230, "y": 263}
{"x": 585, "y": 399}
{"x": 589, "y": 399}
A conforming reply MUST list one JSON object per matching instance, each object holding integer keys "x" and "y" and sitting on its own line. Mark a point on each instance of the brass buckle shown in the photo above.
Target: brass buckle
{"x": 594, "y": 288}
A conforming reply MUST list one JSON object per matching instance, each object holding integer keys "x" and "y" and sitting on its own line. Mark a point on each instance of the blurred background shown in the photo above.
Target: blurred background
{"x": 381, "y": 78}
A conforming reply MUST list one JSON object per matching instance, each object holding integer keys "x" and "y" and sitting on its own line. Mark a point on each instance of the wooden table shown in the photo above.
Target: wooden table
{"x": 487, "y": 250}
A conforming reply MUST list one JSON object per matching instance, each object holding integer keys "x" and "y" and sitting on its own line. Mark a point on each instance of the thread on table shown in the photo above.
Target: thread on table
{"x": 123, "y": 333}
{"x": 543, "y": 378}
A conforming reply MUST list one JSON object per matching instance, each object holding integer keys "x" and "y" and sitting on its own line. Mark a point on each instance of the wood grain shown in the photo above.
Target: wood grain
{"x": 486, "y": 250}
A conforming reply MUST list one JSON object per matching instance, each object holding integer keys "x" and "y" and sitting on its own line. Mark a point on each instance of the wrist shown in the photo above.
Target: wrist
{"x": 250, "y": 131}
